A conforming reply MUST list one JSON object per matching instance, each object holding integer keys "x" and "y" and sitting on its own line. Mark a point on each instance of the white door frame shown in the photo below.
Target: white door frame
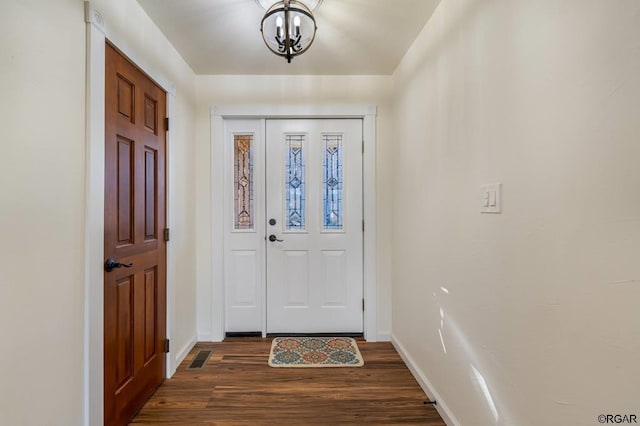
{"x": 218, "y": 114}
{"x": 97, "y": 33}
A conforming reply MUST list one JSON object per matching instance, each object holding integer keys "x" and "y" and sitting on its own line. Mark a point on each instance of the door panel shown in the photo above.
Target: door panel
{"x": 150, "y": 192}
{"x": 244, "y": 264}
{"x": 124, "y": 332}
{"x": 296, "y": 278}
{"x": 125, "y": 191}
{"x": 135, "y": 296}
{"x": 314, "y": 195}
{"x": 334, "y": 277}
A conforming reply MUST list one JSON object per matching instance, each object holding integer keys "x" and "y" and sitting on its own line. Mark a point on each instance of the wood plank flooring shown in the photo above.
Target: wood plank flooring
{"x": 237, "y": 387}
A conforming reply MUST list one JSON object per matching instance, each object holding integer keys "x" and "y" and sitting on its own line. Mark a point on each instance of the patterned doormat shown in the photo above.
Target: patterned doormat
{"x": 315, "y": 352}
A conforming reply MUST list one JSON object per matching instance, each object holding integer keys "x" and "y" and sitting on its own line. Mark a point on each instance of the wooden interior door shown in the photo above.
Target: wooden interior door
{"x": 135, "y": 290}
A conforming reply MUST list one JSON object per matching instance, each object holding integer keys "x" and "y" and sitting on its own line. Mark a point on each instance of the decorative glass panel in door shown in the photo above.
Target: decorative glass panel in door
{"x": 243, "y": 181}
{"x": 332, "y": 181}
{"x": 295, "y": 182}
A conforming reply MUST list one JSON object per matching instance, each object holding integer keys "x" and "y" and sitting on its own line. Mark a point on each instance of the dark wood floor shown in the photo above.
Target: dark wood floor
{"x": 238, "y": 387}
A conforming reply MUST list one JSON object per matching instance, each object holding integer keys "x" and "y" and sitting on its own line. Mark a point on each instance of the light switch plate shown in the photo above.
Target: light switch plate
{"x": 491, "y": 198}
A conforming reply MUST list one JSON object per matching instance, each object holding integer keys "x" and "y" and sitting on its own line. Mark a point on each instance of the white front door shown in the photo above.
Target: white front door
{"x": 298, "y": 182}
{"x": 314, "y": 226}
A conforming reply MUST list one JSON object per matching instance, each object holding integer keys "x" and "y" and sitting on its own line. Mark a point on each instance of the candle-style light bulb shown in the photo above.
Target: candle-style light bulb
{"x": 279, "y": 26}
{"x": 296, "y": 25}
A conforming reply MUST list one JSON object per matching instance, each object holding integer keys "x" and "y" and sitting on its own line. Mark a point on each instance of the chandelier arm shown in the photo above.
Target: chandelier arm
{"x": 281, "y": 46}
{"x": 295, "y": 45}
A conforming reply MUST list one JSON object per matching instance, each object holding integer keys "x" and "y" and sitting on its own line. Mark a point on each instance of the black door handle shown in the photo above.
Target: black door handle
{"x": 112, "y": 264}
{"x": 273, "y": 238}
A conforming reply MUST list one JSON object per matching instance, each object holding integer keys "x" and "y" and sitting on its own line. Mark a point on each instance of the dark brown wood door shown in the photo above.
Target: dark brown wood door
{"x": 135, "y": 296}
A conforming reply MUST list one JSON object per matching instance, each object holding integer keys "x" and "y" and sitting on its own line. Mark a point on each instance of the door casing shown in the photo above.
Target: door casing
{"x": 215, "y": 314}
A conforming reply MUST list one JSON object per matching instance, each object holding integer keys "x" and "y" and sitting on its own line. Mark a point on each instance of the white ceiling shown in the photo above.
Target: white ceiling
{"x": 354, "y": 36}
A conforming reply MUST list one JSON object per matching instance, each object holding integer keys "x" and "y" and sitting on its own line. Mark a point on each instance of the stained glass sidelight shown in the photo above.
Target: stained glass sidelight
{"x": 243, "y": 181}
{"x": 332, "y": 181}
{"x": 295, "y": 182}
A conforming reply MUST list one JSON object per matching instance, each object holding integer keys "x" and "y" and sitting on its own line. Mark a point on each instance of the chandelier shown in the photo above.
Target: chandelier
{"x": 288, "y": 28}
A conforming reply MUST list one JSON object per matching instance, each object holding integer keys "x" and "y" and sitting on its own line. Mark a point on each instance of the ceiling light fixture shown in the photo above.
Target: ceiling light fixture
{"x": 288, "y": 28}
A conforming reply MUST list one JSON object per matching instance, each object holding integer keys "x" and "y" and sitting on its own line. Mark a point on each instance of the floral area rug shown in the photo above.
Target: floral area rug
{"x": 315, "y": 352}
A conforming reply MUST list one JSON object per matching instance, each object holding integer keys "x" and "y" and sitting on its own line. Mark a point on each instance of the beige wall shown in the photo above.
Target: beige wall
{"x": 42, "y": 203}
{"x": 293, "y": 90}
{"x": 41, "y": 211}
{"x": 538, "y": 304}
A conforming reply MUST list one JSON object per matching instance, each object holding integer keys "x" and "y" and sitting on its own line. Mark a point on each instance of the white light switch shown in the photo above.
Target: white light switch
{"x": 491, "y": 196}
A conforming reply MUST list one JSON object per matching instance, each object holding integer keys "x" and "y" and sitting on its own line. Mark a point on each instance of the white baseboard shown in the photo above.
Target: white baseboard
{"x": 384, "y": 337}
{"x": 208, "y": 337}
{"x": 425, "y": 384}
{"x": 182, "y": 353}
{"x": 205, "y": 337}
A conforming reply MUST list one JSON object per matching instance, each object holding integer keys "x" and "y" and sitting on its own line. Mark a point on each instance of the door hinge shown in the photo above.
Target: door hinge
{"x": 166, "y": 346}
{"x": 363, "y": 146}
{"x": 166, "y": 124}
{"x": 362, "y": 305}
{"x": 363, "y": 225}
{"x": 166, "y": 234}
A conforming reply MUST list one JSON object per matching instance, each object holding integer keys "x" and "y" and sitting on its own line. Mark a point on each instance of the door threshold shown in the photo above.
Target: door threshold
{"x": 354, "y": 335}
{"x": 243, "y": 334}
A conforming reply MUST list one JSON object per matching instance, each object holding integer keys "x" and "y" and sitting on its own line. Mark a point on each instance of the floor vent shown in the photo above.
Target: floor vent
{"x": 200, "y": 360}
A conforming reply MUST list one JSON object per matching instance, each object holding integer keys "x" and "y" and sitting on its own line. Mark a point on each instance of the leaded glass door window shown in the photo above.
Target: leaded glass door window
{"x": 332, "y": 183}
{"x": 243, "y": 181}
{"x": 295, "y": 179}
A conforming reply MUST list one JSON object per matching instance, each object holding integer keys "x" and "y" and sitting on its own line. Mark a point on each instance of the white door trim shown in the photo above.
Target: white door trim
{"x": 215, "y": 312}
{"x": 97, "y": 33}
